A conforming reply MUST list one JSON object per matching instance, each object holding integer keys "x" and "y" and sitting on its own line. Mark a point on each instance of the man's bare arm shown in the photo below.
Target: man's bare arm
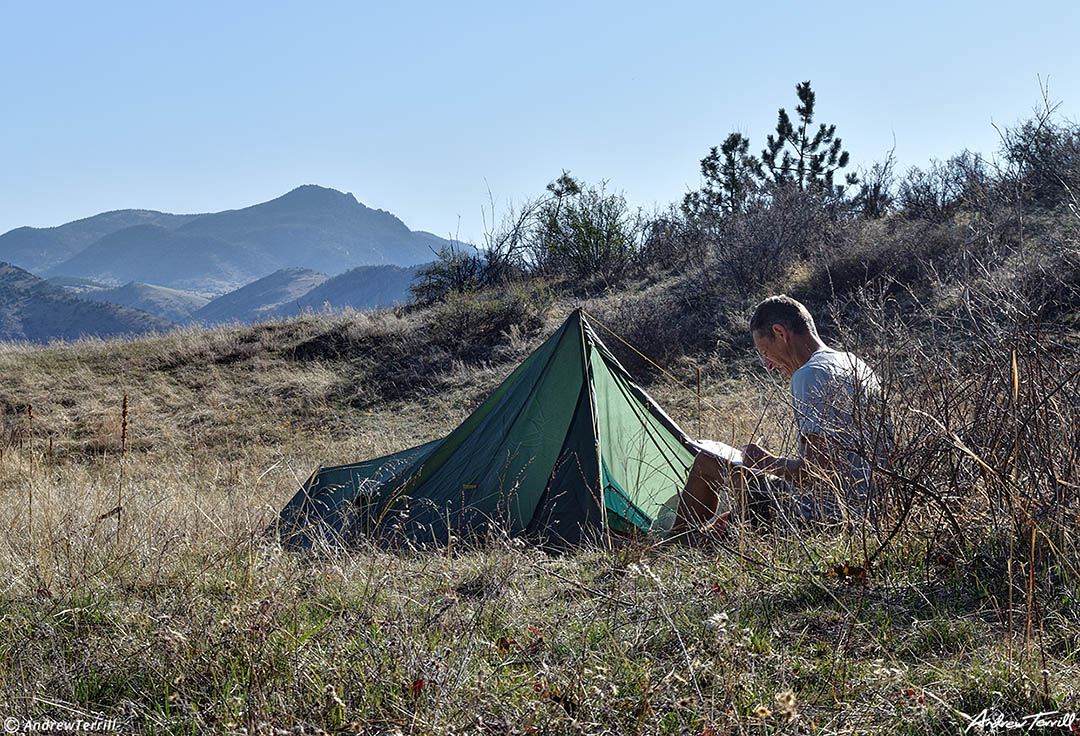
{"x": 797, "y": 469}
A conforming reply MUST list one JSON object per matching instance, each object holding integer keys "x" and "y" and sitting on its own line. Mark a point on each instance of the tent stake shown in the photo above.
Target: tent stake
{"x": 699, "y": 434}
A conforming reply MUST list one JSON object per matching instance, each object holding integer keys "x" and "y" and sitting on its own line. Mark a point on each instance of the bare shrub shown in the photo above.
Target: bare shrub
{"x": 938, "y": 192}
{"x": 984, "y": 396}
{"x": 667, "y": 323}
{"x": 670, "y": 240}
{"x": 472, "y": 324}
{"x": 909, "y": 255}
{"x": 455, "y": 269}
{"x": 502, "y": 259}
{"x": 1043, "y": 155}
{"x": 876, "y": 195}
{"x": 763, "y": 245}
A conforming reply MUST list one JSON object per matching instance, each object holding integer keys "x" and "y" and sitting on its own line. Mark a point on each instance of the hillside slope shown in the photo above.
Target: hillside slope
{"x": 172, "y": 258}
{"x": 172, "y": 305}
{"x": 260, "y": 298}
{"x": 364, "y": 287}
{"x": 191, "y": 599}
{"x": 39, "y": 249}
{"x": 34, "y": 310}
{"x": 76, "y": 285}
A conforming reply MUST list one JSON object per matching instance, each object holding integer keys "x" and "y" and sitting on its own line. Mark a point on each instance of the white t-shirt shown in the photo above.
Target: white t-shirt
{"x": 836, "y": 395}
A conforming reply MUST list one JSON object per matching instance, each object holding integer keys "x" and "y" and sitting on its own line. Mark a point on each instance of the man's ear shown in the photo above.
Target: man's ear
{"x": 780, "y": 332}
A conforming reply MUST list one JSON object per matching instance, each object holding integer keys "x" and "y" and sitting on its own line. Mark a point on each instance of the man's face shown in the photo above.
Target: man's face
{"x": 775, "y": 349}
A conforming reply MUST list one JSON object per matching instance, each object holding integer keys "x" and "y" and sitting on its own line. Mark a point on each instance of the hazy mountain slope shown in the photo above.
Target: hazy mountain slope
{"x": 176, "y": 259}
{"x": 35, "y": 310}
{"x": 434, "y": 243}
{"x": 364, "y": 287}
{"x": 38, "y": 249}
{"x": 169, "y": 304}
{"x": 260, "y": 298}
{"x": 76, "y": 285}
{"x": 310, "y": 227}
{"x": 318, "y": 228}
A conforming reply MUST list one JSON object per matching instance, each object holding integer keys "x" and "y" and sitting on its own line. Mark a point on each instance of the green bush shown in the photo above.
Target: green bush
{"x": 455, "y": 269}
{"x": 1043, "y": 155}
{"x": 586, "y": 233}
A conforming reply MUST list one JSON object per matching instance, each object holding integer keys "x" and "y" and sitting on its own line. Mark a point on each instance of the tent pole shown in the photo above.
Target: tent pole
{"x": 596, "y": 432}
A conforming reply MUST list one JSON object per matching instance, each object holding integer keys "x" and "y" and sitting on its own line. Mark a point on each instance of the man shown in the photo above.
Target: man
{"x": 841, "y": 431}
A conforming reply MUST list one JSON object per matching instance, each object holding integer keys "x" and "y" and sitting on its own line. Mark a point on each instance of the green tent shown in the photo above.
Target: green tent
{"x": 565, "y": 447}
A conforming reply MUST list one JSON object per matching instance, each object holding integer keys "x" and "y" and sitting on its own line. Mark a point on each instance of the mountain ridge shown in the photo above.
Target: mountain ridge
{"x": 39, "y": 248}
{"x": 310, "y": 226}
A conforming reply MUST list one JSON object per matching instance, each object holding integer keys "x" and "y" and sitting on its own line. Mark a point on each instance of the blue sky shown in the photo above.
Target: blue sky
{"x": 422, "y": 108}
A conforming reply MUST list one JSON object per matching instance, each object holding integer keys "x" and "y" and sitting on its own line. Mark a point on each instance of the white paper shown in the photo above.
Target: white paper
{"x": 726, "y": 452}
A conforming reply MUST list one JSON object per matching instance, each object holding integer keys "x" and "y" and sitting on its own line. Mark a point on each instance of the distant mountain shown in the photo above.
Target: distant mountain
{"x": 33, "y": 309}
{"x": 172, "y": 258}
{"x": 38, "y": 249}
{"x": 311, "y": 227}
{"x": 168, "y": 304}
{"x": 321, "y": 229}
{"x": 364, "y": 287}
{"x": 261, "y": 298}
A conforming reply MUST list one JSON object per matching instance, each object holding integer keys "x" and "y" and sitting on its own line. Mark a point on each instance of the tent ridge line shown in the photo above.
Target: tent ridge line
{"x": 587, "y": 342}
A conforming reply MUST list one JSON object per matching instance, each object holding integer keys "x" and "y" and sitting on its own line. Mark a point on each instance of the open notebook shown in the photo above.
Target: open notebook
{"x": 727, "y": 452}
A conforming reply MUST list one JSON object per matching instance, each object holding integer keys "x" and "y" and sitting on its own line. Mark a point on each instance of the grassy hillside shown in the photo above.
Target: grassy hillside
{"x": 176, "y": 614}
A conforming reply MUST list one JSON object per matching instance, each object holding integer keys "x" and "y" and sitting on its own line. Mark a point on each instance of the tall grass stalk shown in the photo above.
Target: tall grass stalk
{"x": 123, "y": 467}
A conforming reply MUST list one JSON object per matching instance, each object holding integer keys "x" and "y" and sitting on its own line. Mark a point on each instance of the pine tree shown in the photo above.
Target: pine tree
{"x": 807, "y": 160}
{"x": 730, "y": 176}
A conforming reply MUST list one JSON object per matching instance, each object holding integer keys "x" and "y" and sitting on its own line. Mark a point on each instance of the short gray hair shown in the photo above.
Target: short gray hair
{"x": 782, "y": 310}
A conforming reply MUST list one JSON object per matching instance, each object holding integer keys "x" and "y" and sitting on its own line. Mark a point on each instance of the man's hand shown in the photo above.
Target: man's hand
{"x": 754, "y": 455}
{"x": 757, "y": 457}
